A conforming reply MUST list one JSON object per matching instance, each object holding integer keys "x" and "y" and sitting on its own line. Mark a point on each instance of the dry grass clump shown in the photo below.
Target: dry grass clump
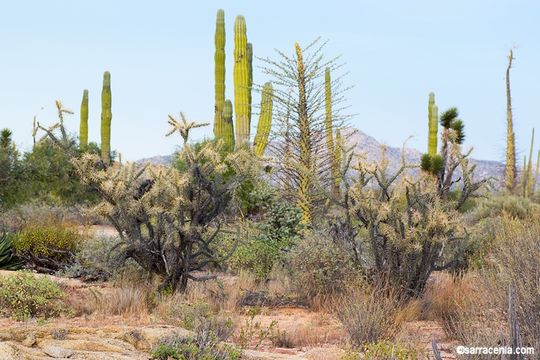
{"x": 371, "y": 315}
{"x": 516, "y": 264}
{"x": 129, "y": 301}
{"x": 449, "y": 301}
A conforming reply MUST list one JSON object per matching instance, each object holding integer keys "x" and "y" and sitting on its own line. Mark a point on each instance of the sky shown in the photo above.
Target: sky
{"x": 161, "y": 57}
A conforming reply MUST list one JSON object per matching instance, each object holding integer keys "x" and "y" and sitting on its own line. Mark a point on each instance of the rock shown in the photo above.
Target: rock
{"x": 7, "y": 352}
{"x": 29, "y": 340}
{"x": 57, "y": 352}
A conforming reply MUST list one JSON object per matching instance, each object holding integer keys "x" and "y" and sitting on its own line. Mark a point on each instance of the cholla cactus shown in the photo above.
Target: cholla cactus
{"x": 183, "y": 127}
{"x": 168, "y": 219}
{"x": 409, "y": 224}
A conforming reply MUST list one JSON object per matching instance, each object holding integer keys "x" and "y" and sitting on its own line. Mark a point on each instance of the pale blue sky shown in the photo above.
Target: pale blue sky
{"x": 160, "y": 55}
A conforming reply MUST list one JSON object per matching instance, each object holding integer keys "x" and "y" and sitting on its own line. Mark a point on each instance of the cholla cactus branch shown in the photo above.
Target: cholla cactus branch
{"x": 183, "y": 127}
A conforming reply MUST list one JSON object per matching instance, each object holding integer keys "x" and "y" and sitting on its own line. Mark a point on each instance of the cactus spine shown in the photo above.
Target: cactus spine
{"x": 241, "y": 82}
{"x": 433, "y": 123}
{"x": 265, "y": 120}
{"x": 106, "y": 117}
{"x": 83, "y": 130}
{"x": 329, "y": 129}
{"x": 219, "y": 64}
{"x": 510, "y": 168}
{"x": 249, "y": 53}
{"x": 228, "y": 127}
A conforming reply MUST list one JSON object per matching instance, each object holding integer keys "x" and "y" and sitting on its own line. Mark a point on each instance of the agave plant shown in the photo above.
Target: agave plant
{"x": 8, "y": 260}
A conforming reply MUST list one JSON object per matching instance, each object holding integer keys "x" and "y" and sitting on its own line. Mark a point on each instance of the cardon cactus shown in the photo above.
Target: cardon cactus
{"x": 219, "y": 64}
{"x": 106, "y": 117}
{"x": 265, "y": 120}
{"x": 83, "y": 129}
{"x": 228, "y": 127}
{"x": 433, "y": 124}
{"x": 249, "y": 54}
{"x": 241, "y": 82}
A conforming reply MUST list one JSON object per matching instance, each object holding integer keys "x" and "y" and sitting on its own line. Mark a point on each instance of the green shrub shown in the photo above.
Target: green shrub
{"x": 201, "y": 347}
{"x": 278, "y": 232}
{"x": 384, "y": 351}
{"x": 47, "y": 247}
{"x": 23, "y": 296}
{"x": 95, "y": 260}
{"x": 516, "y": 207}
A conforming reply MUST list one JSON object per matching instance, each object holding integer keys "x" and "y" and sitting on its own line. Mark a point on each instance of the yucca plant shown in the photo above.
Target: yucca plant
{"x": 8, "y": 260}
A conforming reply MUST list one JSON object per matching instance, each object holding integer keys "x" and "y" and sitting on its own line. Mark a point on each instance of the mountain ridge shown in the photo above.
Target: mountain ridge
{"x": 373, "y": 150}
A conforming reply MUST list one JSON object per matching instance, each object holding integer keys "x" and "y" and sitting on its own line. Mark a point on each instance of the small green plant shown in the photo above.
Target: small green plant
{"x": 8, "y": 260}
{"x": 47, "y": 247}
{"x": 202, "y": 346}
{"x": 383, "y": 350}
{"x": 253, "y": 333}
{"x": 24, "y": 296}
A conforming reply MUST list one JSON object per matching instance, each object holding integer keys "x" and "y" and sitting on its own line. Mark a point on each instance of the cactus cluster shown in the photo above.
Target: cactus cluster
{"x": 453, "y": 131}
{"x": 238, "y": 134}
{"x": 431, "y": 161}
{"x": 106, "y": 117}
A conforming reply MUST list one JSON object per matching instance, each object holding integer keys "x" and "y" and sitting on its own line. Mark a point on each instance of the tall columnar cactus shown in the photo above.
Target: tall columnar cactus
{"x": 249, "y": 53}
{"x": 228, "y": 127}
{"x": 536, "y": 173}
{"x": 329, "y": 129}
{"x": 340, "y": 146}
{"x": 433, "y": 124}
{"x": 83, "y": 129}
{"x": 241, "y": 82}
{"x": 529, "y": 174}
{"x": 265, "y": 120}
{"x": 219, "y": 64}
{"x": 106, "y": 117}
{"x": 510, "y": 168}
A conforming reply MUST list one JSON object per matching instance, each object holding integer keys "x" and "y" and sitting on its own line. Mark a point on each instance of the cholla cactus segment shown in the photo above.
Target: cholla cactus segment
{"x": 183, "y": 126}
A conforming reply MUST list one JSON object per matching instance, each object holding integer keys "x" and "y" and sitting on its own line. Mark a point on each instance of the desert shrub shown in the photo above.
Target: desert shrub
{"x": 278, "y": 231}
{"x": 47, "y": 248}
{"x": 10, "y": 170}
{"x": 36, "y": 213}
{"x": 203, "y": 346}
{"x": 369, "y": 315}
{"x": 23, "y": 296}
{"x": 384, "y": 350}
{"x": 516, "y": 264}
{"x": 319, "y": 268}
{"x": 515, "y": 207}
{"x": 50, "y": 177}
{"x": 94, "y": 260}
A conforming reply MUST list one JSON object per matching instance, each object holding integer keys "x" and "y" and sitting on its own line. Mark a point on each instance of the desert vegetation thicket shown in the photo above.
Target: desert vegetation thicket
{"x": 294, "y": 208}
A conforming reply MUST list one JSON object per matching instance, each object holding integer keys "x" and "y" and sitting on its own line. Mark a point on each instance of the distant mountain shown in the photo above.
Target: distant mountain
{"x": 157, "y": 160}
{"x": 373, "y": 150}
